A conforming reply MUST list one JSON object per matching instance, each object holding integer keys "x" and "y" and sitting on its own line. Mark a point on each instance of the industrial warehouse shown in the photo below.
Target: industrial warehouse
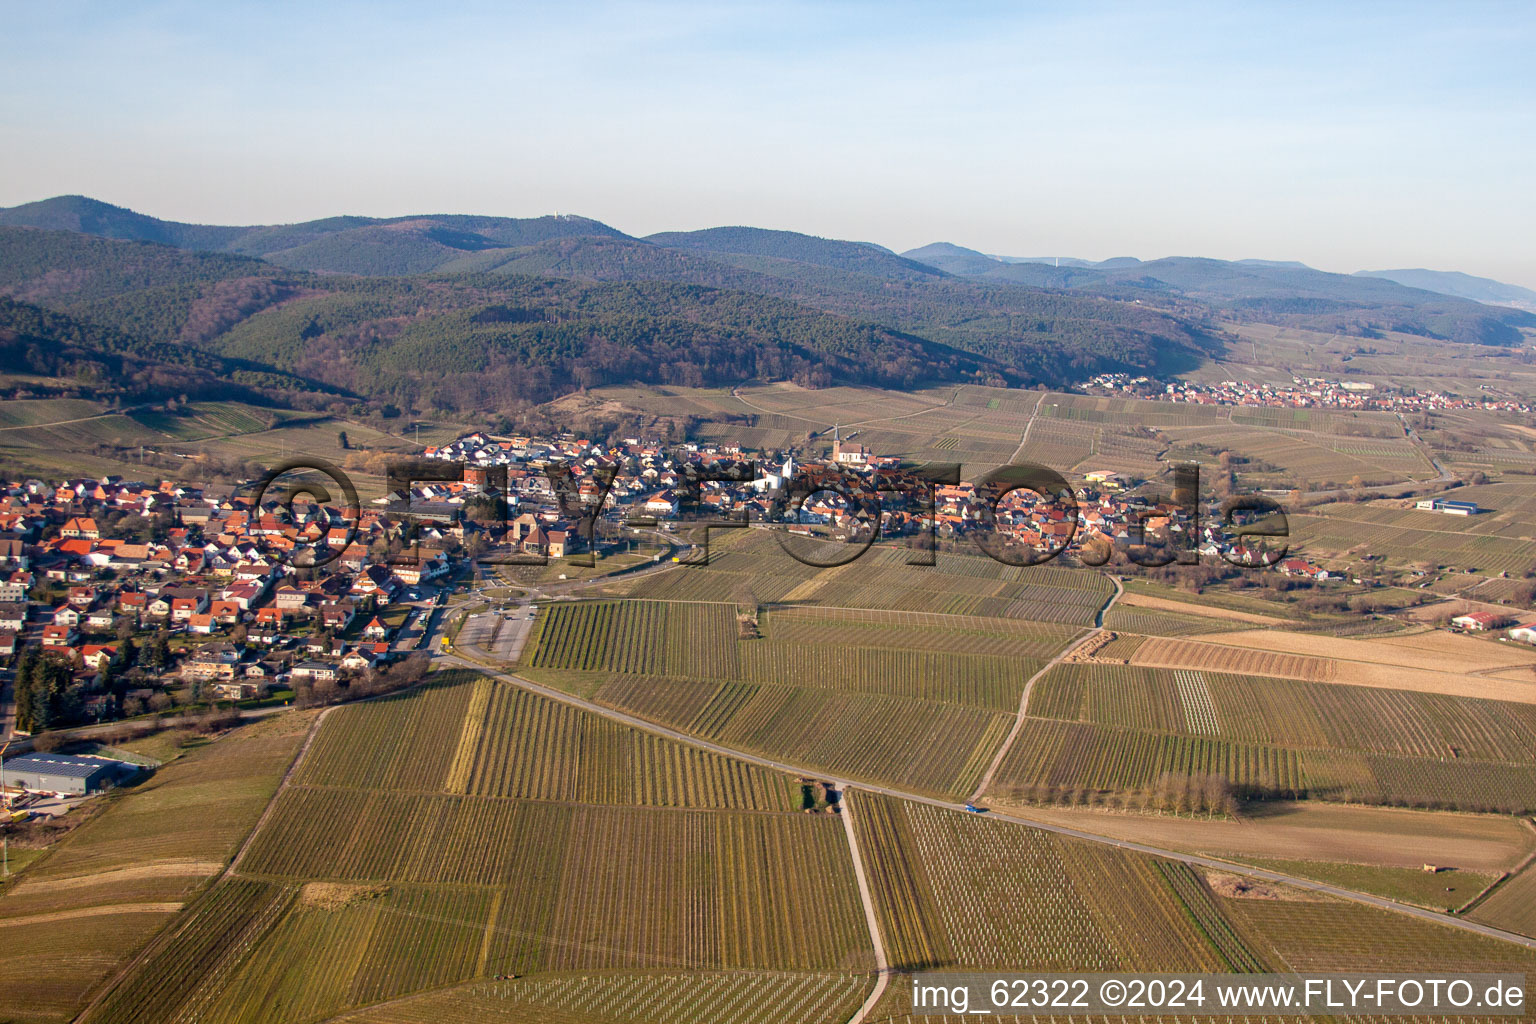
{"x": 64, "y": 774}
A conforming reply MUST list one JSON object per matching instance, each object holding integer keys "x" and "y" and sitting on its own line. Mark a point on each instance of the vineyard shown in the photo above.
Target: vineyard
{"x": 1303, "y": 655}
{"x": 1160, "y": 623}
{"x": 482, "y": 738}
{"x": 1491, "y": 544}
{"x": 755, "y": 997}
{"x": 1290, "y": 713}
{"x": 118, "y": 878}
{"x": 905, "y": 697}
{"x": 1051, "y": 759}
{"x": 338, "y": 948}
{"x": 1216, "y": 658}
{"x": 1100, "y": 730}
{"x": 1335, "y": 936}
{"x": 533, "y": 838}
{"x": 958, "y": 891}
{"x": 698, "y": 642}
{"x": 882, "y": 579}
{"x": 692, "y": 888}
{"x": 928, "y": 747}
{"x": 1512, "y": 905}
{"x": 229, "y": 918}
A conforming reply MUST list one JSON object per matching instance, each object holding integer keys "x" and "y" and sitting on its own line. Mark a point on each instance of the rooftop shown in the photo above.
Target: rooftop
{"x": 67, "y": 765}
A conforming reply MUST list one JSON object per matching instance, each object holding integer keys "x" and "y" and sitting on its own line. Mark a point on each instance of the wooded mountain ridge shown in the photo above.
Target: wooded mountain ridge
{"x": 463, "y": 313}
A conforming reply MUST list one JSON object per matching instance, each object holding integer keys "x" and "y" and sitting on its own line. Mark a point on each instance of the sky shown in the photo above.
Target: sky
{"x": 1348, "y": 136}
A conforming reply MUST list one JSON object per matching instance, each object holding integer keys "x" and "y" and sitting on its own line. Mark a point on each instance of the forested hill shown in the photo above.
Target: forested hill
{"x": 497, "y": 325}
{"x": 466, "y": 343}
{"x": 859, "y": 257}
{"x": 467, "y": 313}
{"x": 42, "y": 342}
{"x": 1267, "y": 291}
{"x": 349, "y": 245}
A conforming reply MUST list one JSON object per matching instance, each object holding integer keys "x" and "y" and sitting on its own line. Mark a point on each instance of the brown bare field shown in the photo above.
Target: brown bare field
{"x": 1190, "y": 608}
{"x": 1298, "y": 656}
{"x": 1381, "y": 836}
{"x": 1167, "y": 652}
{"x": 1238, "y": 887}
{"x": 1432, "y": 649}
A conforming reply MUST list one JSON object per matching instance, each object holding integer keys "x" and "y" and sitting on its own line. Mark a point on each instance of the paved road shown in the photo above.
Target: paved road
{"x": 1062, "y": 830}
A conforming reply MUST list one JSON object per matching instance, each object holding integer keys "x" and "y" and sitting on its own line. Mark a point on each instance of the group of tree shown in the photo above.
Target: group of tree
{"x": 369, "y": 683}
{"x": 47, "y": 696}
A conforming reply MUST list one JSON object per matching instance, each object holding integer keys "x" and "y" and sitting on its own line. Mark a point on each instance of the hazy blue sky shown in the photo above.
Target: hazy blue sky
{"x": 1379, "y": 136}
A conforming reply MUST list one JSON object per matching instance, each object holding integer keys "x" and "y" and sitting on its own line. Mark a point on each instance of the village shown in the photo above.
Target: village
{"x": 120, "y": 599}
{"x": 1301, "y": 393}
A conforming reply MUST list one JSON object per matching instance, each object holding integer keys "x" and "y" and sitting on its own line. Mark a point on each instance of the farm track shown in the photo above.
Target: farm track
{"x": 282, "y": 784}
{"x": 1029, "y": 686}
{"x": 77, "y": 419}
{"x": 1528, "y": 864}
{"x": 1024, "y": 440}
{"x": 160, "y": 938}
{"x": 882, "y": 963}
{"x": 736, "y": 394}
{"x": 1194, "y": 860}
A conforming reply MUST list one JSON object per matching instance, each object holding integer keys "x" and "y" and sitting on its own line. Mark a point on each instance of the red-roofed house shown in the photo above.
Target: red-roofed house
{"x": 82, "y": 526}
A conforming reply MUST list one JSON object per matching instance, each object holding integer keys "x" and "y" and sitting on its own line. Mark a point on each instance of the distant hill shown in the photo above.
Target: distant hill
{"x": 954, "y": 259}
{"x": 1463, "y": 286}
{"x": 39, "y": 341}
{"x": 467, "y": 313}
{"x": 93, "y": 217}
{"x": 859, "y": 257}
{"x": 471, "y": 343}
{"x": 1284, "y": 292}
{"x": 348, "y": 245}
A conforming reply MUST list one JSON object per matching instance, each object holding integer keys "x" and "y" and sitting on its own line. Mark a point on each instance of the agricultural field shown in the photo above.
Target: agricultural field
{"x": 1512, "y": 905}
{"x": 1481, "y": 670}
{"x": 79, "y": 911}
{"x": 1343, "y": 834}
{"x": 956, "y": 891}
{"x": 1209, "y": 602}
{"x": 1500, "y": 541}
{"x": 1272, "y": 447}
{"x": 1331, "y": 935}
{"x": 1157, "y": 622}
{"x": 902, "y": 696}
{"x": 749, "y": 565}
{"x": 842, "y": 649}
{"x": 1445, "y": 890}
{"x": 1114, "y": 729}
{"x": 66, "y": 437}
{"x": 975, "y": 425}
{"x": 468, "y": 831}
{"x": 756, "y": 997}
{"x": 481, "y": 738}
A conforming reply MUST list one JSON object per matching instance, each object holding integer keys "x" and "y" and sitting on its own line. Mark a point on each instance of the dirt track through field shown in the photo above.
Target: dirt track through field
{"x": 154, "y": 869}
{"x": 872, "y": 920}
{"x": 102, "y": 911}
{"x": 1062, "y": 655}
{"x": 1384, "y": 836}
